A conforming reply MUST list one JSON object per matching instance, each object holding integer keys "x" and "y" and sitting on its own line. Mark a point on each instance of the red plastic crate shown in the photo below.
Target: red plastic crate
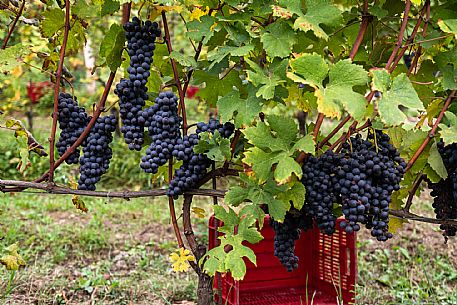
{"x": 327, "y": 264}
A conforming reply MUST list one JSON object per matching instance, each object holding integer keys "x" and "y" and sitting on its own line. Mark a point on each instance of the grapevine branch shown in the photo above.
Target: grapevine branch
{"x": 432, "y": 132}
{"x": 196, "y": 249}
{"x": 412, "y": 191}
{"x": 402, "y": 214}
{"x": 366, "y": 19}
{"x": 181, "y": 92}
{"x": 13, "y": 25}
{"x": 54, "y": 189}
{"x": 409, "y": 40}
{"x": 424, "y": 34}
{"x": 404, "y": 23}
{"x": 51, "y": 188}
{"x": 55, "y": 113}
{"x": 171, "y": 207}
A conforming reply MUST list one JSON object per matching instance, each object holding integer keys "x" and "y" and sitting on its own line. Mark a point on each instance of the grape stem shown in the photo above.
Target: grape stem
{"x": 13, "y": 25}
{"x": 366, "y": 19}
{"x": 432, "y": 132}
{"x": 181, "y": 91}
{"x": 424, "y": 34}
{"x": 401, "y": 34}
{"x": 412, "y": 191}
{"x": 197, "y": 250}
{"x": 171, "y": 207}
{"x": 55, "y": 114}
{"x": 410, "y": 39}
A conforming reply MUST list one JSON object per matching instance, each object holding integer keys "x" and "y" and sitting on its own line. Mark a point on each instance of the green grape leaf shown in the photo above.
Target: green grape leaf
{"x": 448, "y": 26}
{"x": 338, "y": 94}
{"x": 317, "y": 12}
{"x": 201, "y": 30}
{"x": 262, "y": 161}
{"x": 217, "y": 55}
{"x": 243, "y": 111}
{"x": 76, "y": 37}
{"x": 10, "y": 57}
{"x": 53, "y": 22}
{"x": 296, "y": 193}
{"x": 448, "y": 133}
{"x": 235, "y": 263}
{"x": 253, "y": 210}
{"x": 311, "y": 68}
{"x": 436, "y": 162}
{"x": 214, "y": 146}
{"x": 261, "y": 137}
{"x": 83, "y": 9}
{"x": 305, "y": 144}
{"x": 266, "y": 81}
{"x": 337, "y": 97}
{"x": 184, "y": 60}
{"x": 236, "y": 195}
{"x": 230, "y": 219}
{"x": 214, "y": 86}
{"x": 248, "y": 231}
{"x": 381, "y": 79}
{"x": 345, "y": 73}
{"x": 111, "y": 47}
{"x": 286, "y": 167}
{"x": 109, "y": 7}
{"x": 278, "y": 39}
{"x": 401, "y": 93}
{"x": 283, "y": 126}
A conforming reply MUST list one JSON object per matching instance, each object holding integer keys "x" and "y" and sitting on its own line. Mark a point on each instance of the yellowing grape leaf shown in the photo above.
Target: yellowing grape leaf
{"x": 180, "y": 260}
{"x": 199, "y": 212}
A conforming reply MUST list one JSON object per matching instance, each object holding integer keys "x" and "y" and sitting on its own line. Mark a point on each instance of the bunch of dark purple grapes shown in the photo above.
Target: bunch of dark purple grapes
{"x": 445, "y": 191}
{"x": 132, "y": 92}
{"x": 286, "y": 233}
{"x": 361, "y": 178}
{"x": 96, "y": 152}
{"x": 163, "y": 124}
{"x": 194, "y": 165}
{"x": 72, "y": 121}
{"x": 368, "y": 174}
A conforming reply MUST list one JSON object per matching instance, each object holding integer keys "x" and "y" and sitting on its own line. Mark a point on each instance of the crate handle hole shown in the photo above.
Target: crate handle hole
{"x": 348, "y": 261}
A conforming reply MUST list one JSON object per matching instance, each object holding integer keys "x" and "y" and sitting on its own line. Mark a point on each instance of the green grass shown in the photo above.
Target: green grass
{"x": 415, "y": 267}
{"x": 115, "y": 254}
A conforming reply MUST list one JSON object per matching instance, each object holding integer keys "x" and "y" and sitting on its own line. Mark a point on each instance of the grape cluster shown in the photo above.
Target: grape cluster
{"x": 163, "y": 124}
{"x": 225, "y": 130}
{"x": 320, "y": 194}
{"x": 132, "y": 92}
{"x": 361, "y": 179}
{"x": 72, "y": 121}
{"x": 286, "y": 233}
{"x": 194, "y": 165}
{"x": 445, "y": 191}
{"x": 96, "y": 152}
{"x": 368, "y": 174}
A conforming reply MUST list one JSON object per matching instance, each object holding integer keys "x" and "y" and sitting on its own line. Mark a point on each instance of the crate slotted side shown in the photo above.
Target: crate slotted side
{"x": 327, "y": 271}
